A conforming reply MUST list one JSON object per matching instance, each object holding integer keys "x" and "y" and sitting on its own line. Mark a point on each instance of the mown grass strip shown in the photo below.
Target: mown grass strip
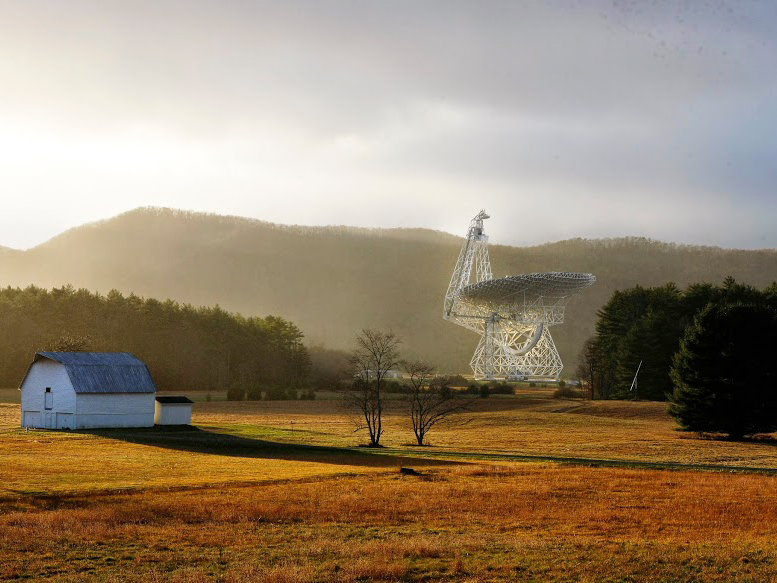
{"x": 605, "y": 463}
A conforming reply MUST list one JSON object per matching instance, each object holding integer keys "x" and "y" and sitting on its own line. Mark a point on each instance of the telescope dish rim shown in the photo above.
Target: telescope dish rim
{"x": 527, "y": 287}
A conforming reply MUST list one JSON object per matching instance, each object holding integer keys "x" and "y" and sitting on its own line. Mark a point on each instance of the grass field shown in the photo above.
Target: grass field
{"x": 276, "y": 491}
{"x": 529, "y": 425}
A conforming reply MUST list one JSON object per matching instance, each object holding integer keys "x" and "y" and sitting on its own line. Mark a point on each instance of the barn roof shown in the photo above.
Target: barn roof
{"x": 103, "y": 372}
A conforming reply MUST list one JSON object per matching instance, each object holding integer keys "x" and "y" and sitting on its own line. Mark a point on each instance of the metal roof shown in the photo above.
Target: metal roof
{"x": 176, "y": 400}
{"x": 103, "y": 372}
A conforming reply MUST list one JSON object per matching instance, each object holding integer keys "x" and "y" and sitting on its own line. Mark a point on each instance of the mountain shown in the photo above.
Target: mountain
{"x": 334, "y": 281}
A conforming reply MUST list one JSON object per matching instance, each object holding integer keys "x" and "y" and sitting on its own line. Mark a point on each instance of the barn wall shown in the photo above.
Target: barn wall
{"x": 173, "y": 414}
{"x": 115, "y": 410}
{"x": 46, "y": 373}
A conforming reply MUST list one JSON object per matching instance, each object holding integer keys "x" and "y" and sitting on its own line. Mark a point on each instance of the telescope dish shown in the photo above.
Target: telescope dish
{"x": 530, "y": 287}
{"x": 512, "y": 314}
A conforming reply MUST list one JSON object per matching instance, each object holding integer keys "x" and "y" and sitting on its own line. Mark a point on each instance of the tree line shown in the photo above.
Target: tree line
{"x": 647, "y": 325}
{"x": 185, "y": 347}
{"x": 393, "y": 279}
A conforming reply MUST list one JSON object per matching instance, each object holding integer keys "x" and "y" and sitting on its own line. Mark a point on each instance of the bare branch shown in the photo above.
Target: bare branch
{"x": 376, "y": 353}
{"x": 429, "y": 398}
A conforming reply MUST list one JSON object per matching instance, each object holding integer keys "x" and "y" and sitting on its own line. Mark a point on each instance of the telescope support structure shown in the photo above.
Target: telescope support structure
{"x": 512, "y": 315}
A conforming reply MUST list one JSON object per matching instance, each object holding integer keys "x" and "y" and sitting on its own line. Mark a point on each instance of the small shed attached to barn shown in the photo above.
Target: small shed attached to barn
{"x": 173, "y": 410}
{"x": 79, "y": 390}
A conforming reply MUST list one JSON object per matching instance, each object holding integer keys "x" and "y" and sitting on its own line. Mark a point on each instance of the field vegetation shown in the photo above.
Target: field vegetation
{"x": 276, "y": 491}
{"x": 531, "y": 424}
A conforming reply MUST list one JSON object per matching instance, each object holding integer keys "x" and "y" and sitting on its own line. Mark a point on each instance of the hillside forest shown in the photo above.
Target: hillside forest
{"x": 334, "y": 281}
{"x": 184, "y": 347}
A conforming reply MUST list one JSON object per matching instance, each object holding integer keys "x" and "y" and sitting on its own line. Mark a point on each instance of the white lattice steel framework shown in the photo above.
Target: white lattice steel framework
{"x": 512, "y": 314}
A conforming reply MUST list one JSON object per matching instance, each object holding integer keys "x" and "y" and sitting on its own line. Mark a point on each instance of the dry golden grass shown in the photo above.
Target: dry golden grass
{"x": 38, "y": 462}
{"x": 9, "y": 415}
{"x": 261, "y": 492}
{"x": 528, "y": 521}
{"x": 612, "y": 430}
{"x": 524, "y": 426}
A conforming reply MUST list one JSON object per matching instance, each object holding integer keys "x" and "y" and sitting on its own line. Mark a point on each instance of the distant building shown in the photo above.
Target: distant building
{"x": 79, "y": 390}
{"x": 372, "y": 374}
{"x": 170, "y": 410}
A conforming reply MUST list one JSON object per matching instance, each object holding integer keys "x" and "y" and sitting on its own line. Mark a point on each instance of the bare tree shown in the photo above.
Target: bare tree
{"x": 69, "y": 343}
{"x": 429, "y": 398}
{"x": 588, "y": 367}
{"x": 375, "y": 354}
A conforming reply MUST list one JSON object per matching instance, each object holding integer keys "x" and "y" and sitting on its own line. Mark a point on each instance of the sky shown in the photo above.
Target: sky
{"x": 561, "y": 118}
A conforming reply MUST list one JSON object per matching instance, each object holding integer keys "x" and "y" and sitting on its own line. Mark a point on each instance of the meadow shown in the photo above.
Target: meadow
{"x": 525, "y": 488}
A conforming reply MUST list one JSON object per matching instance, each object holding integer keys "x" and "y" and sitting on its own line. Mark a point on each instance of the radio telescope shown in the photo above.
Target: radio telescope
{"x": 512, "y": 315}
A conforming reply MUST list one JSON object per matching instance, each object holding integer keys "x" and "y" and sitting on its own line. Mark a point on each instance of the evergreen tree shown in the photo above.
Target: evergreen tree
{"x": 196, "y": 348}
{"x": 638, "y": 325}
{"x": 725, "y": 373}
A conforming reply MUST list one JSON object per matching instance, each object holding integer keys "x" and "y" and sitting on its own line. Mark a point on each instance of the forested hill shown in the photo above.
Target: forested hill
{"x": 333, "y": 281}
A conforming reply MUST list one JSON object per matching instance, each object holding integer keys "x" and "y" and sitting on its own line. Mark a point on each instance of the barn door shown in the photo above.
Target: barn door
{"x": 48, "y": 420}
{"x": 64, "y": 421}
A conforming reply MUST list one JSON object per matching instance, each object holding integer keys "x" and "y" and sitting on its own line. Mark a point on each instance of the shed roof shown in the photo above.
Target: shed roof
{"x": 177, "y": 400}
{"x": 102, "y": 372}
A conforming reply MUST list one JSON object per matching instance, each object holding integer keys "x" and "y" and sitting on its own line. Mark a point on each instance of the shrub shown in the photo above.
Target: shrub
{"x": 391, "y": 386}
{"x": 277, "y": 393}
{"x": 502, "y": 388}
{"x": 254, "y": 393}
{"x": 484, "y": 392}
{"x": 568, "y": 393}
{"x": 236, "y": 392}
{"x": 457, "y": 381}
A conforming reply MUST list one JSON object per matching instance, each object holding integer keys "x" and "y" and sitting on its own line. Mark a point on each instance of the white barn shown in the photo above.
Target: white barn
{"x": 80, "y": 390}
{"x": 173, "y": 410}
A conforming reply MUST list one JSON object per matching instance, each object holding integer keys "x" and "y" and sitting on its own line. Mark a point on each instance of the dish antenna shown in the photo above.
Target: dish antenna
{"x": 512, "y": 314}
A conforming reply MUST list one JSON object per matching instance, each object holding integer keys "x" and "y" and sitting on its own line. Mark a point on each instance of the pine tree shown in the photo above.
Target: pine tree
{"x": 725, "y": 374}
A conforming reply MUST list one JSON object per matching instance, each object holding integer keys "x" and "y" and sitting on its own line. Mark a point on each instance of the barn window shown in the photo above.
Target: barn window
{"x": 49, "y": 398}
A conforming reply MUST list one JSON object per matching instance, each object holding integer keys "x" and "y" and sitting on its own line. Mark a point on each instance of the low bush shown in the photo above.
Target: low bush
{"x": 502, "y": 388}
{"x": 457, "y": 381}
{"x": 254, "y": 393}
{"x": 280, "y": 394}
{"x": 393, "y": 387}
{"x": 569, "y": 393}
{"x": 236, "y": 392}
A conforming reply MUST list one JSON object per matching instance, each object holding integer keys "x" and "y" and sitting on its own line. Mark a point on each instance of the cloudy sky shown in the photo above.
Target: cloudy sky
{"x": 561, "y": 118}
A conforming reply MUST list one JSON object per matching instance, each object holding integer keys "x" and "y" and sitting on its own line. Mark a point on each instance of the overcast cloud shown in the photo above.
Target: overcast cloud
{"x": 563, "y": 119}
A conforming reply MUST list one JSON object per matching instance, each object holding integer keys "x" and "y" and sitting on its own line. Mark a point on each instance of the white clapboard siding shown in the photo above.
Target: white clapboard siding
{"x": 98, "y": 399}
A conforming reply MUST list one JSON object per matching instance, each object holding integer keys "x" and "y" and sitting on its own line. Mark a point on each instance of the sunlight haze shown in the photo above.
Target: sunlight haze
{"x": 564, "y": 118}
